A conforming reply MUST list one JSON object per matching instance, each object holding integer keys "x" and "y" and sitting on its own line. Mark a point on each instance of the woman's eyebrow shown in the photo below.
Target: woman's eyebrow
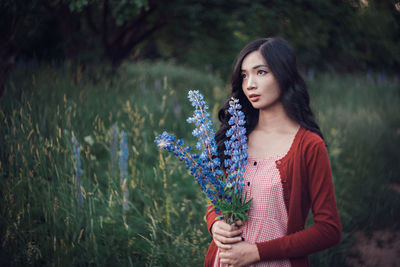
{"x": 259, "y": 66}
{"x": 256, "y": 67}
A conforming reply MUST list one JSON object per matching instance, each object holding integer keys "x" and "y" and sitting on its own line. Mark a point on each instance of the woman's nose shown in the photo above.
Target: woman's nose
{"x": 251, "y": 84}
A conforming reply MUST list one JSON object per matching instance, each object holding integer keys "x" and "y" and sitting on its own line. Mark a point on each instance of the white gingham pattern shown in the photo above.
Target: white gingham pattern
{"x": 268, "y": 216}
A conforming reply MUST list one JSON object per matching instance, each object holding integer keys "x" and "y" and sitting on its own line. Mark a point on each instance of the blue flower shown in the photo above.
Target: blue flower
{"x": 220, "y": 189}
{"x": 123, "y": 167}
{"x": 236, "y": 145}
{"x": 78, "y": 169}
{"x": 123, "y": 159}
{"x": 114, "y": 148}
{"x": 165, "y": 140}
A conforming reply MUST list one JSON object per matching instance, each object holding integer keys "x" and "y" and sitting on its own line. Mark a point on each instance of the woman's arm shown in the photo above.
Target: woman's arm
{"x": 326, "y": 230}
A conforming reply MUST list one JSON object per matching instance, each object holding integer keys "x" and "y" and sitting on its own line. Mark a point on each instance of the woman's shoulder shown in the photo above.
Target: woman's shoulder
{"x": 310, "y": 139}
{"x": 310, "y": 147}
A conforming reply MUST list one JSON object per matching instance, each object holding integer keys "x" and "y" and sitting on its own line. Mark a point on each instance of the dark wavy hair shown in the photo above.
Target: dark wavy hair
{"x": 294, "y": 96}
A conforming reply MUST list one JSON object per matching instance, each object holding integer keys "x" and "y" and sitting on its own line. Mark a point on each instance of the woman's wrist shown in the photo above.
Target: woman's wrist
{"x": 253, "y": 253}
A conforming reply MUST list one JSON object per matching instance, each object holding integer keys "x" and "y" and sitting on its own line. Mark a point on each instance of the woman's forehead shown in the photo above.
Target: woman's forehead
{"x": 253, "y": 60}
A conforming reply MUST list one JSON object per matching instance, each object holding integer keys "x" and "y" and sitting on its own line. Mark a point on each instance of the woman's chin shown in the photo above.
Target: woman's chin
{"x": 256, "y": 105}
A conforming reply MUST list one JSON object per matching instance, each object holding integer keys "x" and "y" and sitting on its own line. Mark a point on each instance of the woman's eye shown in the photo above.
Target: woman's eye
{"x": 261, "y": 72}
{"x": 243, "y": 75}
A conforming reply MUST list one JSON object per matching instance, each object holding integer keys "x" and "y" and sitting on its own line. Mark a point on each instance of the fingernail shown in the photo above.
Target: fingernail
{"x": 242, "y": 238}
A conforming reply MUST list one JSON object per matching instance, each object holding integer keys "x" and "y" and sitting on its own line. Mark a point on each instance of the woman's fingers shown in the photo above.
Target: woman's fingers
{"x": 225, "y": 233}
{"x": 227, "y": 240}
{"x": 239, "y": 223}
{"x": 224, "y": 260}
{"x": 224, "y": 226}
{"x": 222, "y": 246}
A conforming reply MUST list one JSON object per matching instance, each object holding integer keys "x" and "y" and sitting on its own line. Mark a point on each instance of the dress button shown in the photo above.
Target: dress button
{"x": 278, "y": 162}
{"x": 255, "y": 163}
{"x": 248, "y": 183}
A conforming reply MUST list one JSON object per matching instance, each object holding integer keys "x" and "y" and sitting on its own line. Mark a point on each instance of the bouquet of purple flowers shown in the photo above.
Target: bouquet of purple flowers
{"x": 221, "y": 185}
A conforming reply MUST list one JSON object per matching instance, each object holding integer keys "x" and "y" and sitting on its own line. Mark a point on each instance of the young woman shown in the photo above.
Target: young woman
{"x": 288, "y": 171}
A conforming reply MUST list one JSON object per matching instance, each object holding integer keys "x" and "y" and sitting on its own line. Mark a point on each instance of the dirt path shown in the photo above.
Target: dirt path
{"x": 380, "y": 249}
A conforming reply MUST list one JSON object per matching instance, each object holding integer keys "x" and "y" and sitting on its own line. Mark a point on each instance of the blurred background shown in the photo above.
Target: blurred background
{"x": 86, "y": 85}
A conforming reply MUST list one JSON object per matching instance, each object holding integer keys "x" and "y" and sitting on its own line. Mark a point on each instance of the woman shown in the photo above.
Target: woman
{"x": 288, "y": 170}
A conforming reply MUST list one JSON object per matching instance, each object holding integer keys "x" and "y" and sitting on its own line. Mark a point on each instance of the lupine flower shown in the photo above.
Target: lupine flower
{"x": 222, "y": 191}
{"x": 236, "y": 146}
{"x": 78, "y": 170}
{"x": 123, "y": 159}
{"x": 114, "y": 148}
{"x": 123, "y": 167}
{"x": 167, "y": 141}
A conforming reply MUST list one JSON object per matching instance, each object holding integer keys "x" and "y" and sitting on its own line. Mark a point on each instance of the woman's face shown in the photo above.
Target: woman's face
{"x": 259, "y": 84}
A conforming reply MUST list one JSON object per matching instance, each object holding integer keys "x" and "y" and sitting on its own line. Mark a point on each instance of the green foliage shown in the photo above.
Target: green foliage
{"x": 42, "y": 222}
{"x": 237, "y": 211}
{"x": 360, "y": 120}
{"x": 122, "y": 10}
{"x": 340, "y": 35}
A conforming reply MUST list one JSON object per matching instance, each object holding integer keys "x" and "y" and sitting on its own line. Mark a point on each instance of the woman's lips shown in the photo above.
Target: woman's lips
{"x": 254, "y": 98}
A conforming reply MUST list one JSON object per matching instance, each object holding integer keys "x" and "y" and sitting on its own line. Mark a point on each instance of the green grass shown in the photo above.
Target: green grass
{"x": 43, "y": 223}
{"x": 360, "y": 118}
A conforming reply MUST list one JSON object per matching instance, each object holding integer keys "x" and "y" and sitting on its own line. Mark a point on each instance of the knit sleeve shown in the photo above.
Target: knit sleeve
{"x": 326, "y": 230}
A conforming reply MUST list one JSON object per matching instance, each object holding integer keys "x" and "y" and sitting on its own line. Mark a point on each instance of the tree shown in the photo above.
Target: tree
{"x": 16, "y": 23}
{"x": 345, "y": 35}
{"x": 121, "y": 26}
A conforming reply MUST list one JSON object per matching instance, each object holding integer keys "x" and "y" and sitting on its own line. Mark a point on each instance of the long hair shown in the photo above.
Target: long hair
{"x": 294, "y": 95}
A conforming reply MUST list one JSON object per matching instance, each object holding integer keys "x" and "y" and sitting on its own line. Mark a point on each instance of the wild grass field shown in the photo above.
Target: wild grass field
{"x": 66, "y": 199}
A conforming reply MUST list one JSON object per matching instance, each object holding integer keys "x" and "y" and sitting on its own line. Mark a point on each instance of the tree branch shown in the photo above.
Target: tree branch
{"x": 122, "y": 51}
{"x": 139, "y": 38}
{"x": 134, "y": 25}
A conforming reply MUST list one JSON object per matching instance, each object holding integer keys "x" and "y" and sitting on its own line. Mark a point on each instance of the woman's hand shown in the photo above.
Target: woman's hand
{"x": 225, "y": 235}
{"x": 239, "y": 254}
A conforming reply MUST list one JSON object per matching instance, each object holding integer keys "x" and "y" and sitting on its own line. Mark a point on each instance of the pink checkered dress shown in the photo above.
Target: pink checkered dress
{"x": 268, "y": 217}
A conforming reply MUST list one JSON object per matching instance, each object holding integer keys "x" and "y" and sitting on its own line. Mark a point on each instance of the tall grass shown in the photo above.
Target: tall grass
{"x": 154, "y": 215}
{"x": 360, "y": 117}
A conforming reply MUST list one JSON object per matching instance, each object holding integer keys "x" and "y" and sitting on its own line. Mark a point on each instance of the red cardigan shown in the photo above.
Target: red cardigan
{"x": 307, "y": 183}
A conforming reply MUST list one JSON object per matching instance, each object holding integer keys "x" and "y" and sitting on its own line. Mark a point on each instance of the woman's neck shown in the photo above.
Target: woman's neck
{"x": 275, "y": 120}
